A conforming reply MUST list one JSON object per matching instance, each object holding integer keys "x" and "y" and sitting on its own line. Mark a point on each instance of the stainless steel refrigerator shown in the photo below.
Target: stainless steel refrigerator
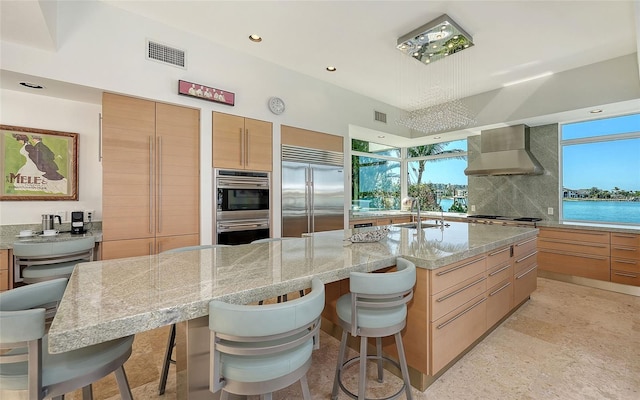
{"x": 312, "y": 191}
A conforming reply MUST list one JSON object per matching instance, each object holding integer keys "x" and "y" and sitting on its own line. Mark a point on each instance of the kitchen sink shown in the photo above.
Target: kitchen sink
{"x": 413, "y": 225}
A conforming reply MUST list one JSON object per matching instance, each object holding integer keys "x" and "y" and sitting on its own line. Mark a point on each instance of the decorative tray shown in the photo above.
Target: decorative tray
{"x": 369, "y": 236}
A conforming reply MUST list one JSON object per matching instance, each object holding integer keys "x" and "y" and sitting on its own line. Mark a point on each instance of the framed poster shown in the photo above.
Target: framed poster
{"x": 206, "y": 93}
{"x": 38, "y": 164}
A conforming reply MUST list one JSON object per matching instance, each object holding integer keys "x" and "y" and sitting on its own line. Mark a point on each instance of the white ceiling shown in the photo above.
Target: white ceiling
{"x": 514, "y": 40}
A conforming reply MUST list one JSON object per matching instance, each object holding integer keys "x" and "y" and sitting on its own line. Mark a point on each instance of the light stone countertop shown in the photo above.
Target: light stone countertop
{"x": 109, "y": 299}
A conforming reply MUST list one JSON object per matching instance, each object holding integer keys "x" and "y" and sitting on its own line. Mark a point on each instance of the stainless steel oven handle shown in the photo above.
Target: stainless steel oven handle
{"x": 239, "y": 184}
{"x": 234, "y": 227}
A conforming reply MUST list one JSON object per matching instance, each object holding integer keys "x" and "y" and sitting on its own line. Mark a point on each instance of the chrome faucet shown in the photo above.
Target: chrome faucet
{"x": 414, "y": 202}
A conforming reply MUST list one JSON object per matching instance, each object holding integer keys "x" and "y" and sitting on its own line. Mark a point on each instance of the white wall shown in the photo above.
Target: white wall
{"x": 103, "y": 47}
{"x": 44, "y": 112}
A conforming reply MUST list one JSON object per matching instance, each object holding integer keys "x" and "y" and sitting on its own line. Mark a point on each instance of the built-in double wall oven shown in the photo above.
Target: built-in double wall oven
{"x": 242, "y": 206}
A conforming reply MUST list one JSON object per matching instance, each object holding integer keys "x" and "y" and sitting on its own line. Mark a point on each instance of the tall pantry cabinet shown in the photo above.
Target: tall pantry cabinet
{"x": 150, "y": 176}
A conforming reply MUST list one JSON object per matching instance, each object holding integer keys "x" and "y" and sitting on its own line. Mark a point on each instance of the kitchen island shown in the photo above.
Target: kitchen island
{"x": 109, "y": 299}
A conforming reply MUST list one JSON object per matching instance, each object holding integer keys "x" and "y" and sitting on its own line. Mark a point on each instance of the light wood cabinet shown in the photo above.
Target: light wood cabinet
{"x": 293, "y": 136}
{"x": 151, "y": 174}
{"x": 625, "y": 258}
{"x": 4, "y": 270}
{"x": 575, "y": 252}
{"x": 242, "y": 143}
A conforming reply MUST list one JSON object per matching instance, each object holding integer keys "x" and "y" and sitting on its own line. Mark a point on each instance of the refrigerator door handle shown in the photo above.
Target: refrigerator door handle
{"x": 311, "y": 201}
{"x": 307, "y": 198}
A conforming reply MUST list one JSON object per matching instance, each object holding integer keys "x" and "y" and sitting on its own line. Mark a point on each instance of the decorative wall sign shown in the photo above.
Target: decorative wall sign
{"x": 38, "y": 164}
{"x": 206, "y": 93}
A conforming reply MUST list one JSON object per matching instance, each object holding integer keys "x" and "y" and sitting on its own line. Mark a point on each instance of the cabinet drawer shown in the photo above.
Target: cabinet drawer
{"x": 448, "y": 300}
{"x": 499, "y": 273}
{"x": 596, "y": 249}
{"x": 588, "y": 266}
{"x": 524, "y": 284}
{"x": 625, "y": 239}
{"x": 499, "y": 299}
{"x": 445, "y": 277}
{"x": 452, "y": 334}
{"x": 498, "y": 257}
{"x": 525, "y": 247}
{"x": 524, "y": 262}
{"x": 624, "y": 277}
{"x": 575, "y": 235}
{"x": 625, "y": 265}
{"x": 624, "y": 251}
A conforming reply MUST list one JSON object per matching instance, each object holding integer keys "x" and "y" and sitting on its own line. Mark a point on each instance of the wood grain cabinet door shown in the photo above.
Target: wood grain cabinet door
{"x": 228, "y": 141}
{"x": 128, "y": 148}
{"x": 177, "y": 170}
{"x": 258, "y": 145}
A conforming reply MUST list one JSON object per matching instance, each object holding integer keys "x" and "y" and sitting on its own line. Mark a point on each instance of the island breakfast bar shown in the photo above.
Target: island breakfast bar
{"x": 105, "y": 300}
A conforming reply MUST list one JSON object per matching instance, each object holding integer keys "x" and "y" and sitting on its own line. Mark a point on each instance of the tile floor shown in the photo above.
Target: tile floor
{"x": 567, "y": 342}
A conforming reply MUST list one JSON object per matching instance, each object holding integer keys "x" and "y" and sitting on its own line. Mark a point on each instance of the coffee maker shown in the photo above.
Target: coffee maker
{"x": 77, "y": 222}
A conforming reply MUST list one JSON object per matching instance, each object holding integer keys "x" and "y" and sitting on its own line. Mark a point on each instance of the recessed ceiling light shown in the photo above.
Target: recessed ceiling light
{"x": 437, "y": 137}
{"x": 595, "y": 111}
{"x": 331, "y": 68}
{"x": 31, "y": 85}
{"x": 255, "y": 38}
{"x": 381, "y": 136}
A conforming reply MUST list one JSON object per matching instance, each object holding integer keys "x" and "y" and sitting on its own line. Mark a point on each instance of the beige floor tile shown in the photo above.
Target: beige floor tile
{"x": 568, "y": 342}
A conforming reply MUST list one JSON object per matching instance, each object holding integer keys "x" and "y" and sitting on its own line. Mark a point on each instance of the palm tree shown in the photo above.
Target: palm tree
{"x": 430, "y": 150}
{"x": 426, "y": 192}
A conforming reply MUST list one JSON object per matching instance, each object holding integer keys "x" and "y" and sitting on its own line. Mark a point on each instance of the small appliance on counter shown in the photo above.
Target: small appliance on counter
{"x": 77, "y": 223}
{"x": 49, "y": 220}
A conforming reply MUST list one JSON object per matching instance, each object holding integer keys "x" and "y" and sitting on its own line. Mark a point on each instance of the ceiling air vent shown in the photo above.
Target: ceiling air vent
{"x": 166, "y": 54}
{"x": 380, "y": 116}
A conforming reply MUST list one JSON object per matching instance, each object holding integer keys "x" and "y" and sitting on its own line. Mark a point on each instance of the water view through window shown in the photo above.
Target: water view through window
{"x": 601, "y": 170}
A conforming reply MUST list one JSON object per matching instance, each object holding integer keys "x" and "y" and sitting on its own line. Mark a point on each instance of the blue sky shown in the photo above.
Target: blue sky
{"x": 604, "y": 165}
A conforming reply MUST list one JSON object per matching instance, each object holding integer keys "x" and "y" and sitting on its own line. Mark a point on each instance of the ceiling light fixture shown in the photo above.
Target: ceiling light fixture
{"x": 255, "y": 38}
{"x": 598, "y": 111}
{"x": 331, "y": 68}
{"x": 442, "y": 34}
{"x": 435, "y": 97}
{"x": 31, "y": 85}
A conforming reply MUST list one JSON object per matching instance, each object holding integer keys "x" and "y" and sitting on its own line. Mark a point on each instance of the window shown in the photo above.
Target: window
{"x": 436, "y": 176}
{"x": 601, "y": 170}
{"x": 375, "y": 176}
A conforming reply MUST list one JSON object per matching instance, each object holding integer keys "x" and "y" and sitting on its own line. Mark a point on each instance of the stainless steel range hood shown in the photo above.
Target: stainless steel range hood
{"x": 505, "y": 151}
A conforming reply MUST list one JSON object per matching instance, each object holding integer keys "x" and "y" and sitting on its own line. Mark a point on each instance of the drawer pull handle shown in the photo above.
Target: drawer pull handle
{"x": 625, "y": 248}
{"x": 626, "y": 274}
{"x": 527, "y": 256}
{"x": 522, "y": 275}
{"x": 495, "y": 253}
{"x": 443, "y": 298}
{"x": 458, "y": 267}
{"x": 624, "y": 236}
{"x": 632, "y": 262}
{"x": 525, "y": 242}
{"x": 500, "y": 289}
{"x": 564, "y": 253}
{"x": 442, "y": 325}
{"x": 500, "y": 270}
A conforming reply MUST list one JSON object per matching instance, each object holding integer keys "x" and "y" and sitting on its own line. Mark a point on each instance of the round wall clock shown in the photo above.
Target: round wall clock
{"x": 276, "y": 105}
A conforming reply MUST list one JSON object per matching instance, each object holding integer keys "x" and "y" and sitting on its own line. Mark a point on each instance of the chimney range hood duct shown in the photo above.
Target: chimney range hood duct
{"x": 505, "y": 151}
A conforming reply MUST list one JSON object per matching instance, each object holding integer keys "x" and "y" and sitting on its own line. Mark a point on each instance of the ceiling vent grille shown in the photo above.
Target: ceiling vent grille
{"x": 380, "y": 116}
{"x": 166, "y": 54}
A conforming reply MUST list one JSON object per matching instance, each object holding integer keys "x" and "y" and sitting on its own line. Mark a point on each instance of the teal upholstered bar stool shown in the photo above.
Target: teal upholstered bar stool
{"x": 171, "y": 340}
{"x": 257, "y": 350}
{"x": 376, "y": 307}
{"x": 25, "y": 362}
{"x": 41, "y": 261}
